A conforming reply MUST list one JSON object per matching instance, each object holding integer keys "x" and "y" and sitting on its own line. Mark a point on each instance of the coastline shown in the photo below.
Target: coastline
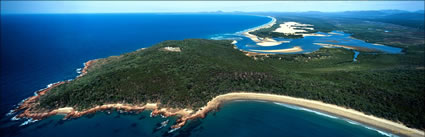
{"x": 267, "y": 25}
{"x": 347, "y": 47}
{"x": 263, "y": 41}
{"x": 187, "y": 114}
{"x": 215, "y": 103}
{"x": 387, "y": 125}
{"x": 28, "y": 103}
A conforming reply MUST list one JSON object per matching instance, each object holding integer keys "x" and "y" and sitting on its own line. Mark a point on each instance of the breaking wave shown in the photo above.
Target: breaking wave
{"x": 334, "y": 117}
{"x": 78, "y": 70}
{"x": 30, "y": 120}
{"x": 305, "y": 109}
{"x": 172, "y": 130}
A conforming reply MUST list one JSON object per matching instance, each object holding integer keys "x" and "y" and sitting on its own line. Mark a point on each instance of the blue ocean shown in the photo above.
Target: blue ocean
{"x": 39, "y": 49}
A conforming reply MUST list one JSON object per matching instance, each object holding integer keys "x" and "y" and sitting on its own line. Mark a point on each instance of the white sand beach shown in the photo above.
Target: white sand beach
{"x": 264, "y": 41}
{"x": 270, "y": 42}
{"x": 292, "y": 28}
{"x": 289, "y": 50}
{"x": 334, "y": 45}
{"x": 295, "y": 28}
{"x": 355, "y": 115}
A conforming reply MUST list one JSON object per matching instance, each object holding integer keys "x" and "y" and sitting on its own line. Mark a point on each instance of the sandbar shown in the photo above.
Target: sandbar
{"x": 263, "y": 41}
{"x": 364, "y": 49}
{"x": 289, "y": 50}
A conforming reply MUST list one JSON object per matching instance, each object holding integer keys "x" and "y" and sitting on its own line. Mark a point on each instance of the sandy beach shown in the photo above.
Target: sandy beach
{"x": 314, "y": 34}
{"x": 64, "y": 110}
{"x": 288, "y": 28}
{"x": 387, "y": 125}
{"x": 263, "y": 41}
{"x": 289, "y": 50}
{"x": 270, "y": 42}
{"x": 292, "y": 28}
{"x": 295, "y": 28}
{"x": 347, "y": 47}
{"x": 334, "y": 45}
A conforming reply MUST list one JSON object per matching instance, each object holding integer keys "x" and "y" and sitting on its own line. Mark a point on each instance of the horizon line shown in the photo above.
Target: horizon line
{"x": 218, "y": 12}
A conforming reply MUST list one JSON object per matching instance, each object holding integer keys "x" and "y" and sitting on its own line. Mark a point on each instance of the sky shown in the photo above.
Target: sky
{"x": 13, "y": 7}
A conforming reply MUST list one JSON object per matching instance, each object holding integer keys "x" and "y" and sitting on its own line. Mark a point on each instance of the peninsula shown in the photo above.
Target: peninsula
{"x": 191, "y": 77}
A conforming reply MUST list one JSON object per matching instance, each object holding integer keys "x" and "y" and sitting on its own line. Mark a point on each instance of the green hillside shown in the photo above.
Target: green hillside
{"x": 388, "y": 86}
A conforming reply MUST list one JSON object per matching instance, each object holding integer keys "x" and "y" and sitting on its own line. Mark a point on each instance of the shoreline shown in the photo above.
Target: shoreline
{"x": 267, "y": 25}
{"x": 351, "y": 114}
{"x": 27, "y": 104}
{"x": 188, "y": 114}
{"x": 262, "y": 41}
{"x": 288, "y": 50}
{"x": 357, "y": 48}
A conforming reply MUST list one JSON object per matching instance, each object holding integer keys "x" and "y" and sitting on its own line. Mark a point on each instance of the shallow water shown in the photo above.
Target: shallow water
{"x": 307, "y": 43}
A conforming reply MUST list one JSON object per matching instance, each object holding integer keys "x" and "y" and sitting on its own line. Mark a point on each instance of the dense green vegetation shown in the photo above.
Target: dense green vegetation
{"x": 207, "y": 68}
{"x": 386, "y": 85}
{"x": 414, "y": 20}
{"x": 375, "y": 74}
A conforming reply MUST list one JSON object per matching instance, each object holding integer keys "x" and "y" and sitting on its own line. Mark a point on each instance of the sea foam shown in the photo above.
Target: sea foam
{"x": 78, "y": 70}
{"x": 379, "y": 131}
{"x": 334, "y": 117}
{"x": 30, "y": 120}
{"x": 11, "y": 112}
{"x": 305, "y": 109}
{"x": 172, "y": 130}
{"x": 14, "y": 118}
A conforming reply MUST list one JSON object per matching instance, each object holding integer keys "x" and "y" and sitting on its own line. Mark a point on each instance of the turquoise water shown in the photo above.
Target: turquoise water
{"x": 40, "y": 49}
{"x": 307, "y": 43}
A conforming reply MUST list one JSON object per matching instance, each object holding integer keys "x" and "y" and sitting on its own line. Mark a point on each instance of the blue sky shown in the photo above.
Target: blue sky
{"x": 200, "y": 6}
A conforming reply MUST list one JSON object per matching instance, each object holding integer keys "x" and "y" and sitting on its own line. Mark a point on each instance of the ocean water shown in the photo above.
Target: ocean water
{"x": 259, "y": 118}
{"x": 39, "y": 49}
